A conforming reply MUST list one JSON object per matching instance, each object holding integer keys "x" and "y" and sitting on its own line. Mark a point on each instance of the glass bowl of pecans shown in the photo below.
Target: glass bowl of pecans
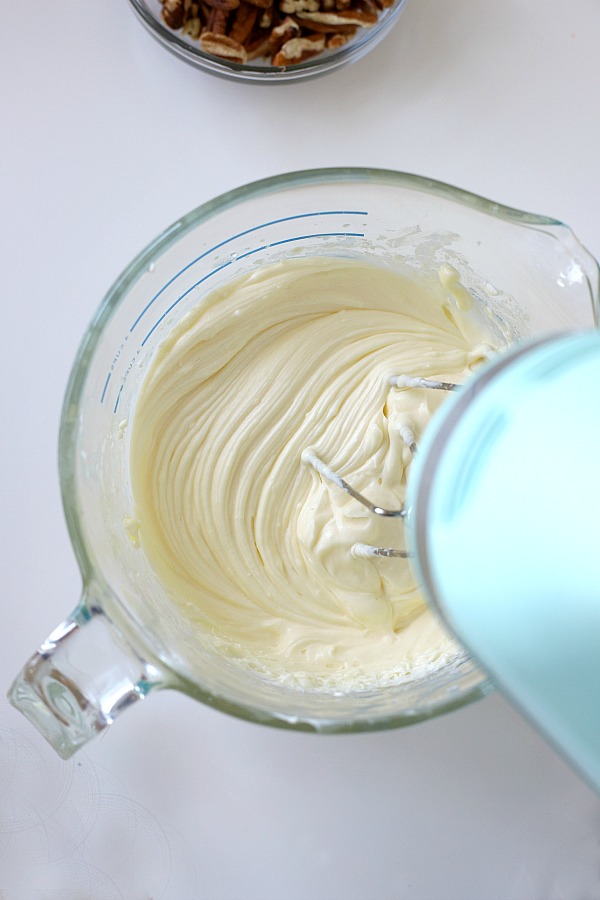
{"x": 268, "y": 41}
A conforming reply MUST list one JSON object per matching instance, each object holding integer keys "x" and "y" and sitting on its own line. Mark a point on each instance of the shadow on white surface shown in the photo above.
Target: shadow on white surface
{"x": 71, "y": 830}
{"x": 178, "y": 801}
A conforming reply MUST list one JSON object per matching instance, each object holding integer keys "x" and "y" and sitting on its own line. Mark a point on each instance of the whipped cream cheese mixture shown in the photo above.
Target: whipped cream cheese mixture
{"x": 249, "y": 541}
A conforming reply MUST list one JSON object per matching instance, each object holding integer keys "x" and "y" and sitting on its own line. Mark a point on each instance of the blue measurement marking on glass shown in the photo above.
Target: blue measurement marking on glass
{"x": 118, "y": 398}
{"x": 105, "y": 386}
{"x": 301, "y": 237}
{"x": 298, "y": 237}
{"x": 329, "y": 212}
{"x": 185, "y": 293}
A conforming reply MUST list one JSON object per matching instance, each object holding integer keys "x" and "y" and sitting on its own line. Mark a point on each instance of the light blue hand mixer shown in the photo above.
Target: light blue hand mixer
{"x": 503, "y": 520}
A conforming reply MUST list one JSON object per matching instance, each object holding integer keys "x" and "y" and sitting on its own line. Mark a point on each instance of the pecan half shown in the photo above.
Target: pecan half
{"x": 243, "y": 23}
{"x": 223, "y": 46}
{"x": 335, "y": 19}
{"x": 325, "y": 27}
{"x": 298, "y": 49}
{"x": 216, "y": 22}
{"x": 173, "y": 13}
{"x": 298, "y": 6}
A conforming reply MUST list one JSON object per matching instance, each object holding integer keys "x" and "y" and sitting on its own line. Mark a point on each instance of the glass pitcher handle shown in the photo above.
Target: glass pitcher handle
{"x": 80, "y": 679}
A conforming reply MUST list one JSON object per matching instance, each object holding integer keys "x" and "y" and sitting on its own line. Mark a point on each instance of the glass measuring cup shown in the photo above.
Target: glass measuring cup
{"x": 125, "y": 639}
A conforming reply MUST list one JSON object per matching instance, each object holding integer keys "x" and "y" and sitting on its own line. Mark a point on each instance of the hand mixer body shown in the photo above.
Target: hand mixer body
{"x": 504, "y": 510}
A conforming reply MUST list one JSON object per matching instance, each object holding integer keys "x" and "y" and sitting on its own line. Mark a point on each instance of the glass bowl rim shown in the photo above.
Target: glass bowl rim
{"x": 140, "y": 263}
{"x": 325, "y": 175}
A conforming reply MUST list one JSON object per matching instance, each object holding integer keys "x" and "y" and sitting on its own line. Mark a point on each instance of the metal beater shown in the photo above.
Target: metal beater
{"x": 367, "y": 551}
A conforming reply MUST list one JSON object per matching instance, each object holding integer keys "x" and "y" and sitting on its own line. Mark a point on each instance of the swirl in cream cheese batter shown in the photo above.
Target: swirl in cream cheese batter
{"x": 249, "y": 542}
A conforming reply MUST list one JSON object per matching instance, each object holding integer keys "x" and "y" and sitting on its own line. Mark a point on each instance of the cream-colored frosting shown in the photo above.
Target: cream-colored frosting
{"x": 249, "y": 541}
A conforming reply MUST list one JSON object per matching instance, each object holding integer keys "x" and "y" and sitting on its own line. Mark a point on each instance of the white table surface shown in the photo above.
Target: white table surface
{"x": 106, "y": 139}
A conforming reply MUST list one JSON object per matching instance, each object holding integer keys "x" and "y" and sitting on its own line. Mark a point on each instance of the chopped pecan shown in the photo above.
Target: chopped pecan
{"x": 205, "y": 12}
{"x": 192, "y": 27}
{"x": 283, "y": 32}
{"x": 325, "y": 27}
{"x": 257, "y": 47}
{"x": 298, "y": 6}
{"x": 262, "y": 4}
{"x": 173, "y": 13}
{"x": 298, "y": 49}
{"x": 243, "y": 23}
{"x": 337, "y": 40}
{"x": 223, "y": 46}
{"x": 337, "y": 19}
{"x": 216, "y": 22}
{"x": 223, "y": 4}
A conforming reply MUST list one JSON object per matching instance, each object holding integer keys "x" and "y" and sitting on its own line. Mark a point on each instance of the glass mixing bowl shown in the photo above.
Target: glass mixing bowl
{"x": 125, "y": 639}
{"x": 261, "y": 71}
